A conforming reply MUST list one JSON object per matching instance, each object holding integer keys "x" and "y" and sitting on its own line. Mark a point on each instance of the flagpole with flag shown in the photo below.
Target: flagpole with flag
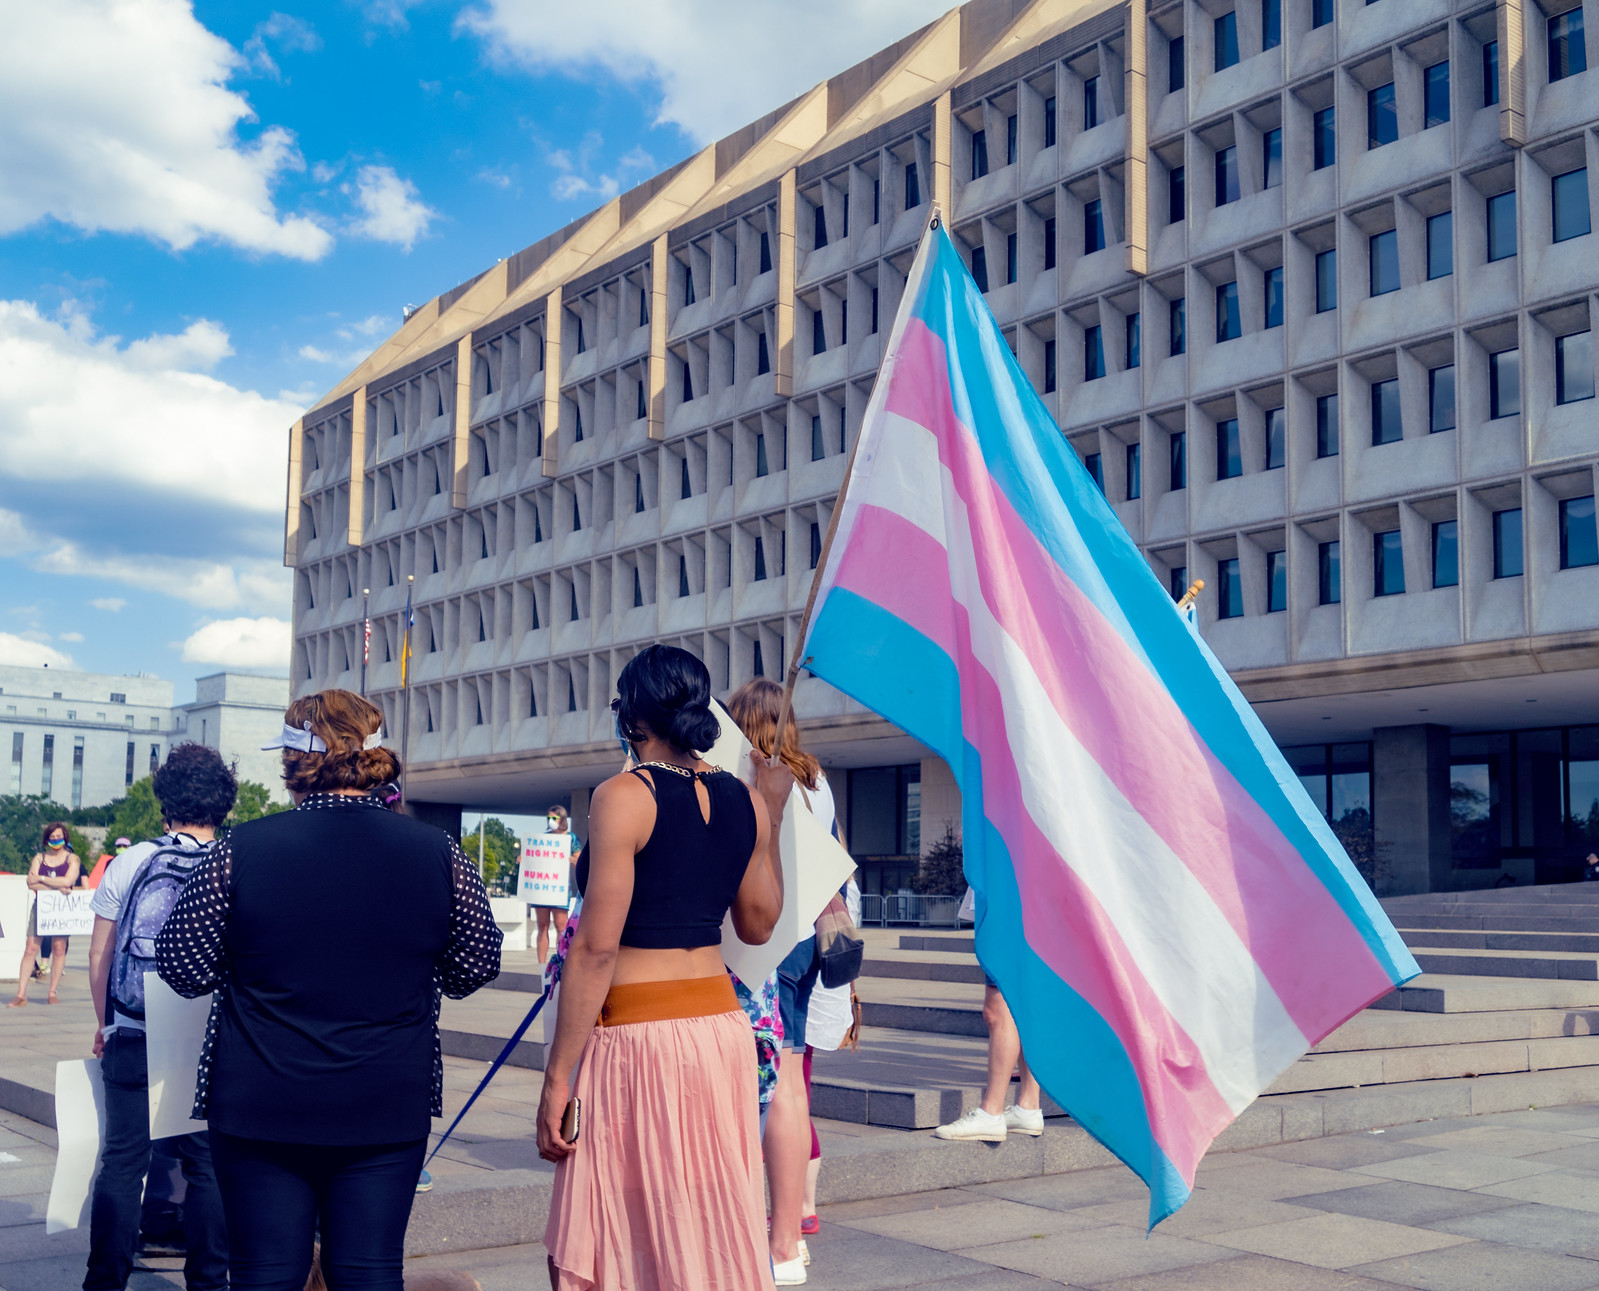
{"x": 1169, "y": 916}
{"x": 366, "y": 636}
{"x": 406, "y": 620}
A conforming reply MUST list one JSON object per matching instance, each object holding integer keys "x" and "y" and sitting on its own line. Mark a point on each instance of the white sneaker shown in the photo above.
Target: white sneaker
{"x": 805, "y": 1253}
{"x": 790, "y": 1273}
{"x": 976, "y": 1126}
{"x": 1024, "y": 1120}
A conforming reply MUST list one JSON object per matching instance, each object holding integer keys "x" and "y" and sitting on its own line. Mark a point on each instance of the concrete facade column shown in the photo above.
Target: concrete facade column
{"x": 463, "y": 420}
{"x": 1410, "y": 808}
{"x": 550, "y": 410}
{"x": 357, "y": 465}
{"x": 787, "y": 270}
{"x": 655, "y": 427}
{"x": 291, "y": 514}
{"x": 1512, "y": 72}
{"x": 943, "y": 152}
{"x": 1136, "y": 186}
{"x": 941, "y": 803}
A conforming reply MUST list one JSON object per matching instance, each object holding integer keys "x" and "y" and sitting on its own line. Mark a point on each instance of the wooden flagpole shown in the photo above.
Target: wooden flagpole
{"x": 791, "y": 678}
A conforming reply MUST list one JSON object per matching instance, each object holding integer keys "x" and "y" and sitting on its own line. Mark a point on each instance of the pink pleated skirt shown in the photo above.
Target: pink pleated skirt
{"x": 664, "y": 1192}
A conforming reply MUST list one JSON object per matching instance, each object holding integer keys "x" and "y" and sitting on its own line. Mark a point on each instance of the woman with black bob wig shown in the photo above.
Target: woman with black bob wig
{"x": 658, "y": 1158}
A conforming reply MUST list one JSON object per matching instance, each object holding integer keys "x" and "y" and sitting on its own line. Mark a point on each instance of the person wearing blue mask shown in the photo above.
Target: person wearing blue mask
{"x": 54, "y": 868}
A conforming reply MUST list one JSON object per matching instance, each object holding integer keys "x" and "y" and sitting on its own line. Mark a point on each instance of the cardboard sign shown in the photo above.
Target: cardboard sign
{"x": 80, "y": 1131}
{"x": 66, "y": 914}
{"x": 14, "y": 902}
{"x": 545, "y": 873}
{"x": 174, "y": 1034}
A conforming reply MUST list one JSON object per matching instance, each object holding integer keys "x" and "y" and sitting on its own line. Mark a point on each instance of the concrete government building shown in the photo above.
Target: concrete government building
{"x": 81, "y": 738}
{"x": 1307, "y": 284}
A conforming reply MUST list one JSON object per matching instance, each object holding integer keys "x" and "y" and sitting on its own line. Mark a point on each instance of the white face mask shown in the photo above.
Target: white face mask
{"x": 554, "y": 823}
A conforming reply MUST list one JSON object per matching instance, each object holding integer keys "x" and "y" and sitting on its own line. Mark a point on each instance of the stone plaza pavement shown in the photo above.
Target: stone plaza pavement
{"x": 1491, "y": 1203}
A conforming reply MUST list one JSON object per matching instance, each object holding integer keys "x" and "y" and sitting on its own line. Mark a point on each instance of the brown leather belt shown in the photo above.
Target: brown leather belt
{"x": 692, "y": 997}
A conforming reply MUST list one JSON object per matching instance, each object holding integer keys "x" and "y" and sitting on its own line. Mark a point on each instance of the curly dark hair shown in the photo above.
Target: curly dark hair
{"x": 195, "y": 786}
{"x": 343, "y": 720}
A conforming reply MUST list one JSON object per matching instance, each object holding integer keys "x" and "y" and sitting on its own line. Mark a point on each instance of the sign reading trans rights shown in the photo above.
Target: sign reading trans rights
{"x": 545, "y": 876}
{"x": 66, "y": 914}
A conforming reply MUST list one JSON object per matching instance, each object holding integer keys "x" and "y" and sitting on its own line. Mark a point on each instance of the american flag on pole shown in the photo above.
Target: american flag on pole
{"x": 1168, "y": 915}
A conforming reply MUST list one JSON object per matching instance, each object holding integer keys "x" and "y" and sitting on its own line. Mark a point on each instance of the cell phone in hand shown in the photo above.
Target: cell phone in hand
{"x": 572, "y": 1120}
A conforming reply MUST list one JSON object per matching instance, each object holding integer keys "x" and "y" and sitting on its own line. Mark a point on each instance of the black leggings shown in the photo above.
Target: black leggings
{"x": 276, "y": 1194}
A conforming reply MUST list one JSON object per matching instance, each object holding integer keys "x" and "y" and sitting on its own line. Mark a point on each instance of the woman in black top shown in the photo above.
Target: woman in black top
{"x": 321, "y": 1068}
{"x": 661, "y": 1185}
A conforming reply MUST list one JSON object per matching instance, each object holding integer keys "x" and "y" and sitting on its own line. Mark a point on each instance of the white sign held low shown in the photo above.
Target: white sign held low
{"x": 174, "y": 1034}
{"x": 66, "y": 914}
{"x": 80, "y": 1130}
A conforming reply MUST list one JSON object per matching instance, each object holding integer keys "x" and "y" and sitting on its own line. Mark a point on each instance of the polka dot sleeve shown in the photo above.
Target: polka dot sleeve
{"x": 471, "y": 957}
{"x": 190, "y": 949}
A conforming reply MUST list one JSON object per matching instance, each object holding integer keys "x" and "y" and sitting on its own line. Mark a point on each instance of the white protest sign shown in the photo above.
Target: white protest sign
{"x": 544, "y": 875}
{"x": 80, "y": 1130}
{"x": 174, "y": 1033}
{"x": 815, "y": 866}
{"x": 66, "y": 914}
{"x": 14, "y": 901}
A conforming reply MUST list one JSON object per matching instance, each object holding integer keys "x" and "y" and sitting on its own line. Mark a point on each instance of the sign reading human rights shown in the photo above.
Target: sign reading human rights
{"x": 66, "y": 914}
{"x": 546, "y": 870}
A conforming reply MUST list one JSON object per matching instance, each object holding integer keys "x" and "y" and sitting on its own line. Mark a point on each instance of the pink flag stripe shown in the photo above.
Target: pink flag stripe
{"x": 1136, "y": 731}
{"x": 1067, "y": 927}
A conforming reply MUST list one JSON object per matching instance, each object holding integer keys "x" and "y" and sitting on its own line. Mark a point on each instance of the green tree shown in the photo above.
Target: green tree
{"x": 22, "y": 821}
{"x": 253, "y": 802}
{"x": 502, "y": 852}
{"x": 138, "y": 816}
{"x": 942, "y": 871}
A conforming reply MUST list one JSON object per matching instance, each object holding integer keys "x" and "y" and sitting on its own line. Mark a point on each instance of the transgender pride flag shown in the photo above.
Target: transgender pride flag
{"x": 1168, "y": 915}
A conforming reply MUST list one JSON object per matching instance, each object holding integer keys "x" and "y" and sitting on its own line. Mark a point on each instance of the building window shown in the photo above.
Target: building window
{"x": 1177, "y": 461}
{"x": 1049, "y": 122}
{"x": 1228, "y": 324}
{"x": 1385, "y": 425}
{"x": 763, "y": 357}
{"x": 1176, "y": 203}
{"x": 816, "y": 544}
{"x": 874, "y": 311}
{"x": 1049, "y": 367}
{"x": 1504, "y": 384}
{"x": 1276, "y": 582}
{"x": 1276, "y": 438}
{"x": 1446, "y": 554}
{"x": 1271, "y": 148}
{"x": 1326, "y": 281}
{"x": 1441, "y": 399}
{"x": 1327, "y": 425}
{"x": 1382, "y": 116}
{"x": 819, "y": 225}
{"x": 1096, "y": 469}
{"x": 762, "y": 466}
{"x": 118, "y": 697}
{"x": 979, "y": 153}
{"x": 1010, "y": 140}
{"x": 1090, "y": 103}
{"x": 1440, "y": 245}
{"x": 1175, "y": 65}
{"x": 766, "y": 252}
{"x": 1177, "y": 317}
{"x": 1324, "y": 139}
{"x": 16, "y": 764}
{"x": 1177, "y": 582}
{"x": 1093, "y": 353}
{"x": 1502, "y": 226}
{"x": 1579, "y": 540}
{"x": 1010, "y": 259}
{"x": 127, "y": 771}
{"x": 1271, "y": 23}
{"x": 885, "y": 821}
{"x": 913, "y": 191}
{"x": 47, "y": 775}
{"x": 155, "y": 758}
{"x": 1388, "y": 563}
{"x": 1569, "y": 194}
{"x": 1226, "y": 28}
{"x": 1049, "y": 243}
{"x": 1574, "y": 367}
{"x": 1328, "y": 577}
{"x": 77, "y": 772}
{"x": 1568, "y": 54}
{"x": 877, "y": 209}
{"x": 1383, "y": 249}
{"x": 1435, "y": 94}
{"x": 1490, "y": 73}
{"x": 1133, "y": 344}
{"x": 1229, "y": 590}
{"x": 818, "y": 446}
{"x": 1135, "y": 480}
{"x": 1507, "y": 543}
{"x": 1321, "y": 13}
{"x": 980, "y": 268}
{"x": 1226, "y": 175}
{"x": 1229, "y": 453}
{"x": 1093, "y": 227}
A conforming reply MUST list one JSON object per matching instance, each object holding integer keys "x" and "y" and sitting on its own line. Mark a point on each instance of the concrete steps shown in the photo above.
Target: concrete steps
{"x": 1573, "y": 941}
{"x": 1560, "y": 965}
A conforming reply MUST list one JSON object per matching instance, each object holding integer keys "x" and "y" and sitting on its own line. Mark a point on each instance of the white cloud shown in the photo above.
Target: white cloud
{"x": 289, "y": 34}
{"x": 576, "y": 175}
{"x": 20, "y": 652}
{"x": 74, "y": 637}
{"x": 249, "y": 582}
{"x": 391, "y": 211}
{"x": 110, "y": 604}
{"x": 717, "y": 64}
{"x": 118, "y": 118}
{"x": 75, "y": 406}
{"x": 494, "y": 178}
{"x": 240, "y": 643}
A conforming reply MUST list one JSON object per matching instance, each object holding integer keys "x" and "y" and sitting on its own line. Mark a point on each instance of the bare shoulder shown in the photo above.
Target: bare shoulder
{"x": 622, "y": 791}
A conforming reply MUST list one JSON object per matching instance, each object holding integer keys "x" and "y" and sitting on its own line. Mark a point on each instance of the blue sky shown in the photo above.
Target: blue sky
{"x": 213, "y": 211}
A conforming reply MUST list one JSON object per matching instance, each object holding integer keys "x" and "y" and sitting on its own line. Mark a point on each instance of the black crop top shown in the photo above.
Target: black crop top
{"x": 686, "y": 877}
